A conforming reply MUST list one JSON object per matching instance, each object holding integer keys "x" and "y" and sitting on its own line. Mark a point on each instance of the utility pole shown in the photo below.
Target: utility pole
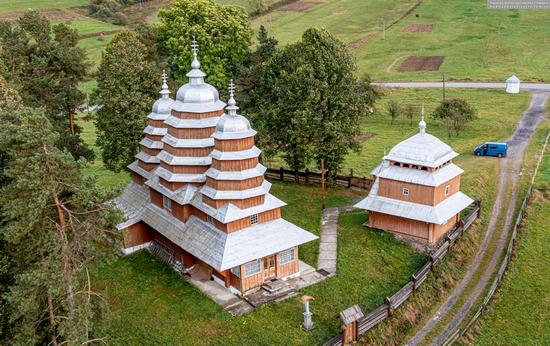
{"x": 323, "y": 182}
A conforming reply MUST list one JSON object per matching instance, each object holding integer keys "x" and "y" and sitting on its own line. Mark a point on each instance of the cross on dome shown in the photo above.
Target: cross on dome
{"x": 164, "y": 92}
{"x": 231, "y": 103}
{"x": 422, "y": 123}
{"x": 195, "y": 48}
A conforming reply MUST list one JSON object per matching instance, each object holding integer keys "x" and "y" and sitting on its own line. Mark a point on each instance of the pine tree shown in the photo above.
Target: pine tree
{"x": 46, "y": 66}
{"x": 54, "y": 223}
{"x": 127, "y": 85}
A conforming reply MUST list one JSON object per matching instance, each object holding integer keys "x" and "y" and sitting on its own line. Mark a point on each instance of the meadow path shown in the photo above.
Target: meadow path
{"x": 498, "y": 229}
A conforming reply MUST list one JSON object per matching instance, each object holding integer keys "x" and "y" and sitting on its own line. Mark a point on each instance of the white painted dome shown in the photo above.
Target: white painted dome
{"x": 422, "y": 149}
{"x": 197, "y": 93}
{"x": 233, "y": 123}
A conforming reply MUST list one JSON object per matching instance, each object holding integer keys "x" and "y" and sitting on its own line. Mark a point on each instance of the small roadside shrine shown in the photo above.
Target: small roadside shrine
{"x": 512, "y": 85}
{"x": 416, "y": 190}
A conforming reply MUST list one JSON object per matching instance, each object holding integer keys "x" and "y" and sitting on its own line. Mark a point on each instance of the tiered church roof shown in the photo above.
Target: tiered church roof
{"x": 207, "y": 161}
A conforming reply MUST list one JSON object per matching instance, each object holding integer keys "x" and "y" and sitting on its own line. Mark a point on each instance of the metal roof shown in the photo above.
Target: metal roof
{"x": 155, "y": 131}
{"x": 151, "y": 144}
{"x": 437, "y": 214}
{"x": 188, "y": 142}
{"x": 236, "y": 194}
{"x": 134, "y": 167}
{"x": 257, "y": 171}
{"x": 132, "y": 202}
{"x": 235, "y": 155}
{"x": 182, "y": 196}
{"x": 422, "y": 149}
{"x": 143, "y": 156}
{"x": 229, "y": 212}
{"x": 191, "y": 123}
{"x": 180, "y": 177}
{"x": 417, "y": 176}
{"x": 184, "y": 160}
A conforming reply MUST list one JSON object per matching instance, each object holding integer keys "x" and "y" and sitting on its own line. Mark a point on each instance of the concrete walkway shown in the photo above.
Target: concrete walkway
{"x": 328, "y": 247}
{"x": 478, "y": 85}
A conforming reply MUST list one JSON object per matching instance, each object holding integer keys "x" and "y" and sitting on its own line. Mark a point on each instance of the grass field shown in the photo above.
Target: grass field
{"x": 478, "y": 44}
{"x": 23, "y": 5}
{"x": 520, "y": 312}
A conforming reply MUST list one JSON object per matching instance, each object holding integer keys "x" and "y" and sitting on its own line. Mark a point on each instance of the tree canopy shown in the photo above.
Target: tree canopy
{"x": 53, "y": 226}
{"x": 127, "y": 85}
{"x": 222, "y": 31}
{"x": 455, "y": 113}
{"x": 46, "y": 66}
{"x": 309, "y": 102}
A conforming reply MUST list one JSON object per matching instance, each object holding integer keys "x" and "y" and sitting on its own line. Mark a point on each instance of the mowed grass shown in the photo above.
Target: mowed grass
{"x": 23, "y": 5}
{"x": 349, "y": 20}
{"x": 478, "y": 44}
{"x": 520, "y": 312}
{"x": 152, "y": 305}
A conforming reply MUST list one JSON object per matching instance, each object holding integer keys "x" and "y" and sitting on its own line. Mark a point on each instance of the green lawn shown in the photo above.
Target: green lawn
{"x": 520, "y": 312}
{"x": 349, "y": 20}
{"x": 23, "y": 5}
{"x": 89, "y": 26}
{"x": 94, "y": 49}
{"x": 150, "y": 302}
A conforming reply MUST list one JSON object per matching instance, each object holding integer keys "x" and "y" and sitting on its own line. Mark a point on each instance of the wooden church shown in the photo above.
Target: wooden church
{"x": 198, "y": 192}
{"x": 416, "y": 189}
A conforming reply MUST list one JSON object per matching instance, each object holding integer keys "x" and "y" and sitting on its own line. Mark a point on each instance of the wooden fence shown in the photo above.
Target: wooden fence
{"x": 385, "y": 310}
{"x": 507, "y": 258}
{"x": 307, "y": 177}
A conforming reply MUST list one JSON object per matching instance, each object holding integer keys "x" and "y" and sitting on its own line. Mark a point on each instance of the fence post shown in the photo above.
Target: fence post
{"x": 413, "y": 279}
{"x": 478, "y": 209}
{"x": 296, "y": 176}
{"x": 364, "y": 182}
{"x": 388, "y": 303}
{"x": 307, "y": 175}
{"x": 350, "y": 177}
{"x": 282, "y": 173}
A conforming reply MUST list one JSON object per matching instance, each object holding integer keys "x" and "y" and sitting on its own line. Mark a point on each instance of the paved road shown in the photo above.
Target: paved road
{"x": 508, "y": 185}
{"x": 479, "y": 85}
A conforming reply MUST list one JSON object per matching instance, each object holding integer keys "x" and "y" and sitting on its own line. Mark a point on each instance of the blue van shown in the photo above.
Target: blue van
{"x": 491, "y": 149}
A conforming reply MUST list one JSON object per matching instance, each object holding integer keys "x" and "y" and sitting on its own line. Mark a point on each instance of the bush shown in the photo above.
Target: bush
{"x": 120, "y": 18}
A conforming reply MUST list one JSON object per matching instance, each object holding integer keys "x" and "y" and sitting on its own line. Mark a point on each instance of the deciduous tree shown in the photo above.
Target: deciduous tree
{"x": 455, "y": 113}
{"x": 54, "y": 222}
{"x": 310, "y": 101}
{"x": 127, "y": 85}
{"x": 223, "y": 33}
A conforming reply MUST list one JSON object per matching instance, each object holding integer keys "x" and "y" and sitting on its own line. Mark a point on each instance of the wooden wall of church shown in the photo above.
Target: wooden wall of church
{"x": 412, "y": 228}
{"x": 234, "y": 144}
{"x": 188, "y": 115}
{"x": 136, "y": 234}
{"x": 428, "y": 195}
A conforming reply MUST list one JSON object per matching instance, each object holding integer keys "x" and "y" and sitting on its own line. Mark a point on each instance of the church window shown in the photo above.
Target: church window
{"x": 447, "y": 189}
{"x": 236, "y": 271}
{"x": 252, "y": 268}
{"x": 167, "y": 203}
{"x": 209, "y": 219}
{"x": 405, "y": 191}
{"x": 254, "y": 219}
{"x": 286, "y": 256}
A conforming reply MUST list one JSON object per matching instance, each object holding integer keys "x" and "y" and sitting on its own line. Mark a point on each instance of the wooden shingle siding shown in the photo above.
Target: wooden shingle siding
{"x": 188, "y": 115}
{"x": 156, "y": 198}
{"x": 154, "y": 138}
{"x": 234, "y": 144}
{"x": 235, "y": 165}
{"x": 152, "y": 152}
{"x": 137, "y": 234}
{"x": 183, "y": 169}
{"x": 428, "y": 195}
{"x": 188, "y": 152}
{"x": 243, "y": 204}
{"x": 412, "y": 228}
{"x": 147, "y": 166}
{"x": 245, "y": 222}
{"x": 157, "y": 123}
{"x": 191, "y": 133}
{"x": 235, "y": 184}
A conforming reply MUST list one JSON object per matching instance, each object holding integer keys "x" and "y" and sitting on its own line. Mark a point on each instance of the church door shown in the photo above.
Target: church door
{"x": 269, "y": 267}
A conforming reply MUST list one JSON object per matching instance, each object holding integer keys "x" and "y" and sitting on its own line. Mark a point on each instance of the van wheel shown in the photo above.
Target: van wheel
{"x": 499, "y": 155}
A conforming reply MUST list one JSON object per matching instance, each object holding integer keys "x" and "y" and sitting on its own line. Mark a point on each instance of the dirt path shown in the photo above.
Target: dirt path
{"x": 508, "y": 185}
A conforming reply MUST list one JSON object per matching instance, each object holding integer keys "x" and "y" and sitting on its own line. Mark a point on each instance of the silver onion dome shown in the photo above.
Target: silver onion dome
{"x": 164, "y": 104}
{"x": 232, "y": 125}
{"x": 196, "y": 91}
